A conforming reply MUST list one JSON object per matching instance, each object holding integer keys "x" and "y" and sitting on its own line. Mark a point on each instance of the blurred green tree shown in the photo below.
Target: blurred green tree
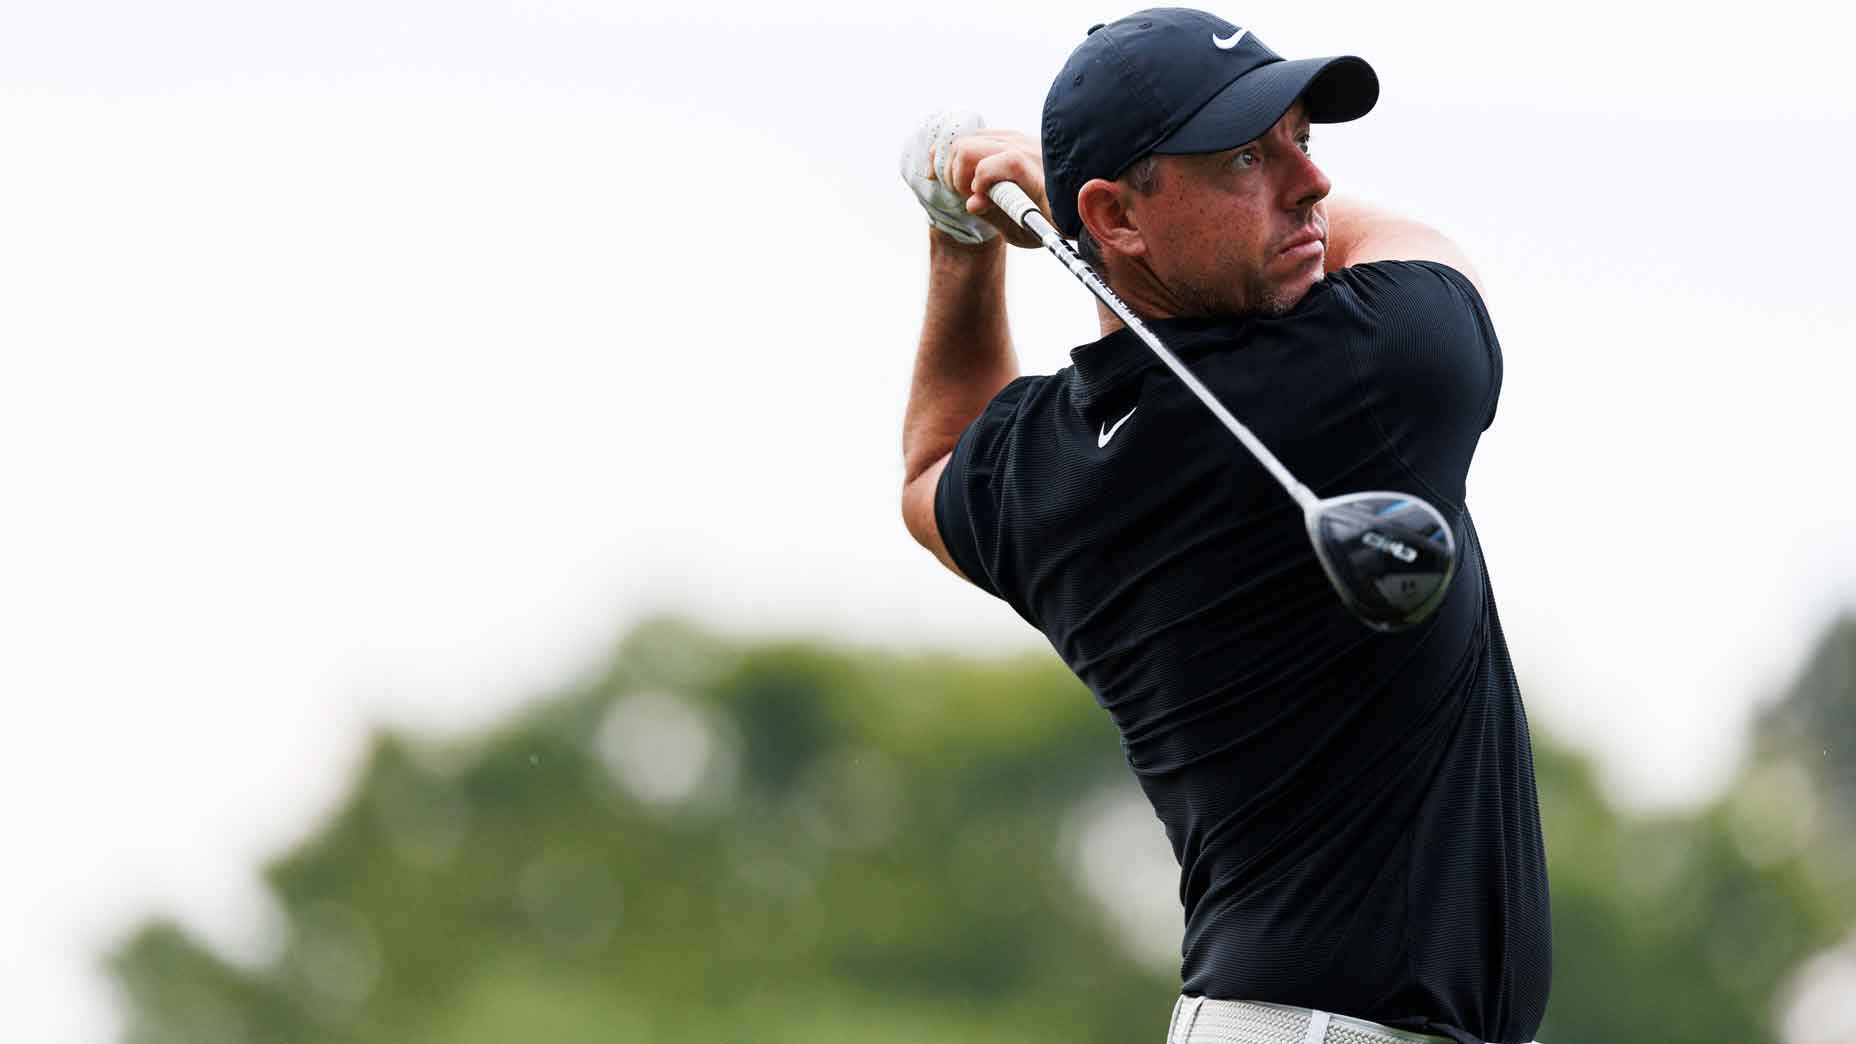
{"x": 1798, "y": 800}
{"x": 720, "y": 842}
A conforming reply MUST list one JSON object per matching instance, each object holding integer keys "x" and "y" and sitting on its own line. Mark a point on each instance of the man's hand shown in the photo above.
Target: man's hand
{"x": 978, "y": 161}
{"x": 924, "y": 166}
{"x": 952, "y": 160}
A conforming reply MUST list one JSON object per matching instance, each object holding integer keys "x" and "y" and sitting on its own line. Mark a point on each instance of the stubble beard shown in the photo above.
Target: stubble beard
{"x": 1252, "y": 296}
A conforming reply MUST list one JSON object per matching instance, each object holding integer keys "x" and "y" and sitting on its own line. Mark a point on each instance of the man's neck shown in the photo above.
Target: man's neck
{"x": 1141, "y": 291}
{"x": 1109, "y": 321}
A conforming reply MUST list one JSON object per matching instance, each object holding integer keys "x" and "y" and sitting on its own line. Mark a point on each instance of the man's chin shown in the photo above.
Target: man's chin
{"x": 1283, "y": 297}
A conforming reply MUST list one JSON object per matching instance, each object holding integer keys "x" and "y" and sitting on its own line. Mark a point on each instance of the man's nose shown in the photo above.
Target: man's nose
{"x": 1307, "y": 185}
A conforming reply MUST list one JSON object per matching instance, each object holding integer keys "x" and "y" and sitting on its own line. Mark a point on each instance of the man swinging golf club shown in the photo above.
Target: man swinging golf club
{"x": 1352, "y": 807}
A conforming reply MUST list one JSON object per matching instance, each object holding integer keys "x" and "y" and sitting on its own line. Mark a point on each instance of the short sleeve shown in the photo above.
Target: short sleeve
{"x": 1484, "y": 347}
{"x": 1490, "y": 346}
{"x": 966, "y": 502}
{"x": 1432, "y": 365}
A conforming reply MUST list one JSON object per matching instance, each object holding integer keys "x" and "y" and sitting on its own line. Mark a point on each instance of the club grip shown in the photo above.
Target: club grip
{"x": 1012, "y": 199}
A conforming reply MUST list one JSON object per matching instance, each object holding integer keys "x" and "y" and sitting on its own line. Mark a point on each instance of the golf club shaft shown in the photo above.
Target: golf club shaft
{"x": 1012, "y": 199}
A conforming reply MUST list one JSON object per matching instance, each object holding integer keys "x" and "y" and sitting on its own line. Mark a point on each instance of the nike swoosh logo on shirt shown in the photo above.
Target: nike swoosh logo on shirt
{"x": 1109, "y": 433}
{"x": 1225, "y": 45}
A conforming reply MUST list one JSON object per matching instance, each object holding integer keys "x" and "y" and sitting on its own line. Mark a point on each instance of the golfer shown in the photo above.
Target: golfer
{"x": 1354, "y": 812}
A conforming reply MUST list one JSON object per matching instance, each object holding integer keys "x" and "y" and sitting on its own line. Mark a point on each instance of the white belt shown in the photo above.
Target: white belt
{"x": 1198, "y": 1020}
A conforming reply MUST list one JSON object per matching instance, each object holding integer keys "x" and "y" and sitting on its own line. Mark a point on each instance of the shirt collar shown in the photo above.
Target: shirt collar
{"x": 1098, "y": 367}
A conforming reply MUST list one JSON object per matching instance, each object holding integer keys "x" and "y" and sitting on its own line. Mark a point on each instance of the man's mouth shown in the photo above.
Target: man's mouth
{"x": 1304, "y": 245}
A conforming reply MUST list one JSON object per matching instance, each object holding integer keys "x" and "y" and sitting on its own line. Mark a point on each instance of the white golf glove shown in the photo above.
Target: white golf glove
{"x": 926, "y": 150}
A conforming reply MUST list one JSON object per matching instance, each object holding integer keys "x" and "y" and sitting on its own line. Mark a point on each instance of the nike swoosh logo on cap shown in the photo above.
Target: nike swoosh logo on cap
{"x": 1225, "y": 45}
{"x": 1109, "y": 433}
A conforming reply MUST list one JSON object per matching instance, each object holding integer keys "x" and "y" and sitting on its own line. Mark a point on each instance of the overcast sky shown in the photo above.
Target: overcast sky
{"x": 379, "y": 361}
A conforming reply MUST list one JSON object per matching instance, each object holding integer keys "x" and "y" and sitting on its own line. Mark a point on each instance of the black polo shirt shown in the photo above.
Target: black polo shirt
{"x": 1353, "y": 812}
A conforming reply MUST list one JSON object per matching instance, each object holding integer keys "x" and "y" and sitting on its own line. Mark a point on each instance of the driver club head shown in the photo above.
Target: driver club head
{"x": 1390, "y": 556}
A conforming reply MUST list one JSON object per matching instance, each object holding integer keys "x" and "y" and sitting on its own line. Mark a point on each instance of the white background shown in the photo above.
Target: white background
{"x": 377, "y": 362}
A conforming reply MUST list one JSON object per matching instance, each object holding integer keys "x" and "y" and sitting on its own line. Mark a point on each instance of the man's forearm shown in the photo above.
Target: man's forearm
{"x": 965, "y": 355}
{"x": 1360, "y": 232}
{"x": 1352, "y": 224}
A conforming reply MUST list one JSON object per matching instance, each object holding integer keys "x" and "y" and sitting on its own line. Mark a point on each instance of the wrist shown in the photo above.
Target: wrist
{"x": 966, "y": 283}
{"x": 940, "y": 244}
{"x": 969, "y": 272}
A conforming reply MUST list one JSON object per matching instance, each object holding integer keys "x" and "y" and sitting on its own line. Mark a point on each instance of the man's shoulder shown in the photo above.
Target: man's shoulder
{"x": 1020, "y": 389}
{"x": 1418, "y": 301}
{"x": 1384, "y": 282}
{"x": 1002, "y": 411}
{"x": 998, "y": 423}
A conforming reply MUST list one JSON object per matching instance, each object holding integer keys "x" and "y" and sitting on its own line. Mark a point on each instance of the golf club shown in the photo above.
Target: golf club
{"x": 1390, "y": 556}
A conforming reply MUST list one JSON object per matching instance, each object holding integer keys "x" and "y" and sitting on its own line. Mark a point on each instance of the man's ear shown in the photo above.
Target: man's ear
{"x": 1103, "y": 206}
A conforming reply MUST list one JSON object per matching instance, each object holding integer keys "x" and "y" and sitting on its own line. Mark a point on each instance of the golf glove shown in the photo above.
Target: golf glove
{"x": 925, "y": 150}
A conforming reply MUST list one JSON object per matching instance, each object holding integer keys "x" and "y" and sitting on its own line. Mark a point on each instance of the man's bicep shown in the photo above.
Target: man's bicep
{"x": 951, "y": 507}
{"x": 918, "y": 513}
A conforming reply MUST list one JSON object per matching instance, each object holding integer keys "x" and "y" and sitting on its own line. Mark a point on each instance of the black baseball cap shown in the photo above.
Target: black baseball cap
{"x": 1177, "y": 82}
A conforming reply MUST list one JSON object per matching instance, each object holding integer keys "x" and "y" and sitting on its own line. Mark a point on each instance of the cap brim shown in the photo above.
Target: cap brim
{"x": 1335, "y": 89}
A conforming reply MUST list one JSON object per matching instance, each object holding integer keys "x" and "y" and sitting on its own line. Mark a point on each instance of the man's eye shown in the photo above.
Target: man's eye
{"x": 1303, "y": 142}
{"x": 1246, "y": 159}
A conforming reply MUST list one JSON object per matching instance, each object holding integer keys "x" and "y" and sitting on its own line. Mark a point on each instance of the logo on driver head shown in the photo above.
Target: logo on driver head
{"x": 1396, "y": 548}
